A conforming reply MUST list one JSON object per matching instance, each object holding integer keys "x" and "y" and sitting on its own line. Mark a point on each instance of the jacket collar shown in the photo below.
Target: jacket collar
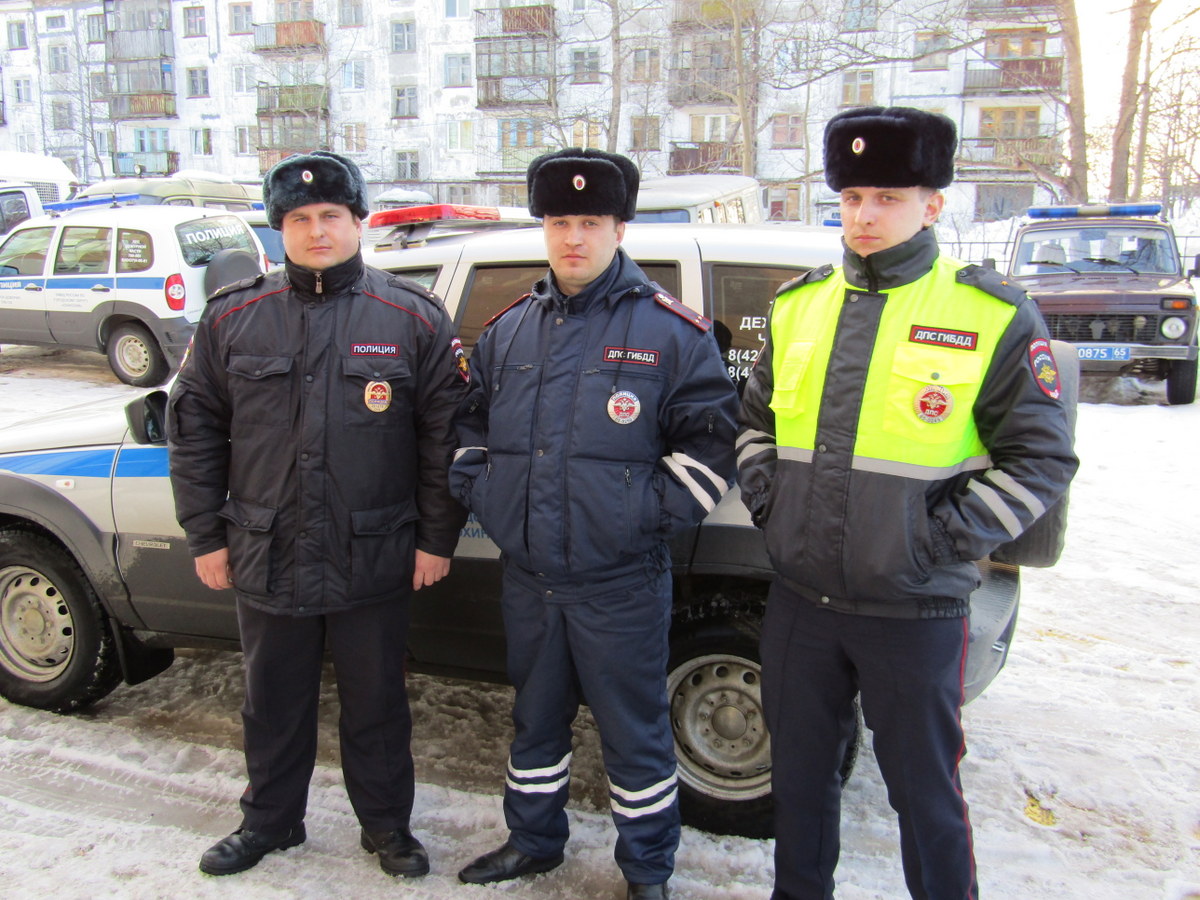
{"x": 891, "y": 268}
{"x": 309, "y": 284}
{"x": 622, "y": 276}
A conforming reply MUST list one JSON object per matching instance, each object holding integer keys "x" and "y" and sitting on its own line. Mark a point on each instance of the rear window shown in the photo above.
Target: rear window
{"x": 135, "y": 250}
{"x": 741, "y": 297}
{"x": 201, "y": 238}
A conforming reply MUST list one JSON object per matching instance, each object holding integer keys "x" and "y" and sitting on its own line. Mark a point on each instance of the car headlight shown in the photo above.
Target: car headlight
{"x": 1173, "y": 328}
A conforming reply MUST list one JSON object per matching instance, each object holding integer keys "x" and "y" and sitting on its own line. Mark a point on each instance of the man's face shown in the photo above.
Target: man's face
{"x": 320, "y": 235}
{"x": 580, "y": 248}
{"x": 875, "y": 219}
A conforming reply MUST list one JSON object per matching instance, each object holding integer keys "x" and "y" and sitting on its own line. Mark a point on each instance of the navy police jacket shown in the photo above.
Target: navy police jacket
{"x": 596, "y": 427}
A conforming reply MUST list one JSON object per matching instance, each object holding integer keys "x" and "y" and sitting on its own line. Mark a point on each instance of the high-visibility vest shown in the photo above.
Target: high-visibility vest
{"x": 935, "y": 340}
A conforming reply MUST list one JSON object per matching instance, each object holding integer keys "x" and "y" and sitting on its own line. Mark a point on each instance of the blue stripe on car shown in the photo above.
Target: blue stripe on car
{"x": 97, "y": 463}
{"x": 142, "y": 462}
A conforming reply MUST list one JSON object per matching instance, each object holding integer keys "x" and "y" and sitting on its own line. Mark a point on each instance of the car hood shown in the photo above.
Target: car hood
{"x": 1127, "y": 283}
{"x": 84, "y": 425}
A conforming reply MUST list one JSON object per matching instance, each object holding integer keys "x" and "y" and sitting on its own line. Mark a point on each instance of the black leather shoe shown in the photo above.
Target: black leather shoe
{"x": 647, "y": 891}
{"x": 504, "y": 863}
{"x": 243, "y": 849}
{"x": 399, "y": 852}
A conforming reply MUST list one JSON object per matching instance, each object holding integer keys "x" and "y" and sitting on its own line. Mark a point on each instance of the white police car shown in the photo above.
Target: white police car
{"x": 125, "y": 280}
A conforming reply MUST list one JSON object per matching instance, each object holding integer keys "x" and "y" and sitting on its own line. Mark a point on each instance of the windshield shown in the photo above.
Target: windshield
{"x": 1096, "y": 248}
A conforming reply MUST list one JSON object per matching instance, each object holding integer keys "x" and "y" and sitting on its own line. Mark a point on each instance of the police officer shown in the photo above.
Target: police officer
{"x": 311, "y": 431}
{"x": 903, "y": 420}
{"x": 600, "y": 422}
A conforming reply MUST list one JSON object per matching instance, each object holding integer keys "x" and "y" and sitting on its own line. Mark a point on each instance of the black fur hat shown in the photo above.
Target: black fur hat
{"x": 896, "y": 146}
{"x": 575, "y": 182}
{"x": 317, "y": 177}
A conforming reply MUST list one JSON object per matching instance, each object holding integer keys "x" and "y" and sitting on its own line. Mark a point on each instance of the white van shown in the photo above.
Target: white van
{"x": 49, "y": 174}
{"x": 699, "y": 198}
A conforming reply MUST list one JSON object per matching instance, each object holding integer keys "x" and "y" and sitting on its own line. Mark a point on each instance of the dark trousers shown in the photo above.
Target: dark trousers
{"x": 909, "y": 674}
{"x": 283, "y": 659}
{"x": 610, "y": 652}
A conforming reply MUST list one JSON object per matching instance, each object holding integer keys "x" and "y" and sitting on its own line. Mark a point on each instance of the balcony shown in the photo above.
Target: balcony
{"x": 1010, "y": 10}
{"x": 310, "y": 99}
{"x": 289, "y": 37}
{"x": 514, "y": 90}
{"x": 149, "y": 44}
{"x": 511, "y": 20}
{"x": 507, "y": 160}
{"x": 692, "y": 15}
{"x": 163, "y": 162}
{"x": 703, "y": 157}
{"x": 142, "y": 106}
{"x": 1011, "y": 152}
{"x": 686, "y": 87}
{"x": 1004, "y": 76}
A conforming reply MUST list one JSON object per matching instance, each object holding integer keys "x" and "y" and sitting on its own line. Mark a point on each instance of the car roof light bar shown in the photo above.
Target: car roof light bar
{"x": 1096, "y": 209}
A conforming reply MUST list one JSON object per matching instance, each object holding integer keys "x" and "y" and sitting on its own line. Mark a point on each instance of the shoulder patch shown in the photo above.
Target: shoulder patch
{"x": 663, "y": 299}
{"x": 417, "y": 288}
{"x": 236, "y": 286}
{"x": 991, "y": 282}
{"x": 512, "y": 305}
{"x": 820, "y": 273}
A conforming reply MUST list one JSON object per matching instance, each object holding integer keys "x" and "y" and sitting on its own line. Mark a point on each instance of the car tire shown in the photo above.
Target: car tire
{"x": 1181, "y": 382}
{"x": 56, "y": 649}
{"x": 721, "y": 741}
{"x": 135, "y": 356}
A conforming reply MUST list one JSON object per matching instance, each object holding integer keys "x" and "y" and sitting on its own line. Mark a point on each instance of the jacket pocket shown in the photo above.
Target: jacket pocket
{"x": 250, "y": 540}
{"x": 613, "y": 513}
{"x": 930, "y": 391}
{"x": 787, "y": 397}
{"x": 499, "y": 499}
{"x": 260, "y": 388}
{"x": 377, "y": 392}
{"x": 382, "y": 548}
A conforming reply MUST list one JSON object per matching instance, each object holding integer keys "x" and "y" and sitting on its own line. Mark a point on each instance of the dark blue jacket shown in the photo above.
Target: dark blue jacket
{"x": 597, "y": 426}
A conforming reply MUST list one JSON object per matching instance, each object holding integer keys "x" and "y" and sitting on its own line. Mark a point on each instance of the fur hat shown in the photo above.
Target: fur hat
{"x": 317, "y": 177}
{"x": 575, "y": 182}
{"x": 897, "y": 146}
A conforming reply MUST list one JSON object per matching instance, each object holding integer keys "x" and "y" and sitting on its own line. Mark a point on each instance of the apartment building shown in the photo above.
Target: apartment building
{"x": 456, "y": 96}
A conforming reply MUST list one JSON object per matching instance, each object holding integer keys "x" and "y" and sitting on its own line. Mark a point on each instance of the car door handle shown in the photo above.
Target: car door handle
{"x": 100, "y": 287}
{"x": 33, "y": 287}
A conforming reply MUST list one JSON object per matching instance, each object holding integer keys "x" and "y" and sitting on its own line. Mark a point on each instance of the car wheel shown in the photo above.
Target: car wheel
{"x": 721, "y": 740}
{"x": 56, "y": 650}
{"x": 1181, "y": 382}
{"x": 135, "y": 356}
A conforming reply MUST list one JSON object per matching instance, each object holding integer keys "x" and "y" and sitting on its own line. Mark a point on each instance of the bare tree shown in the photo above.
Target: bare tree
{"x": 1139, "y": 26}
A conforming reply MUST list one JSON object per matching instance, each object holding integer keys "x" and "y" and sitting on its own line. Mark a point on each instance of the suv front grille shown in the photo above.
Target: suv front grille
{"x": 1090, "y": 328}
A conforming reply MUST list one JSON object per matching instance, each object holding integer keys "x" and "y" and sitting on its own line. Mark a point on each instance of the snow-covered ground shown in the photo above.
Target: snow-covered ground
{"x": 1082, "y": 773}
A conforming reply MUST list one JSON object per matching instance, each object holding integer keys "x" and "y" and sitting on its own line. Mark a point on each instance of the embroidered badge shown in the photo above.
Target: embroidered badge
{"x": 306, "y": 176}
{"x": 460, "y": 360}
{"x": 631, "y": 355}
{"x": 374, "y": 350}
{"x": 624, "y": 407}
{"x": 857, "y": 146}
{"x": 933, "y": 403}
{"x": 944, "y": 337}
{"x": 1045, "y": 369}
{"x": 579, "y": 182}
{"x": 378, "y": 396}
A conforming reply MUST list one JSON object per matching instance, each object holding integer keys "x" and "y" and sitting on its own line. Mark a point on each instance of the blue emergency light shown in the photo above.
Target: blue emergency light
{"x": 1098, "y": 209}
{"x": 105, "y": 200}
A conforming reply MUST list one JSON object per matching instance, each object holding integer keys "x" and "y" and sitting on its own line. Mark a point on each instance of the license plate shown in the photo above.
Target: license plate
{"x": 1105, "y": 354}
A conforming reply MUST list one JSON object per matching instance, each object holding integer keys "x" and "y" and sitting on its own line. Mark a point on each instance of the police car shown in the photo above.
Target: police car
{"x": 97, "y": 586}
{"x": 125, "y": 280}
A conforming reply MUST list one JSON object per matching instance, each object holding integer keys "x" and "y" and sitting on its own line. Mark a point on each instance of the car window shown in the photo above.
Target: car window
{"x": 1109, "y": 250}
{"x": 135, "y": 250}
{"x": 424, "y": 277}
{"x": 26, "y": 251}
{"x": 83, "y": 250}
{"x": 272, "y": 242}
{"x": 201, "y": 238}
{"x": 741, "y": 297}
{"x": 14, "y": 209}
{"x": 664, "y": 274}
{"x": 491, "y": 289}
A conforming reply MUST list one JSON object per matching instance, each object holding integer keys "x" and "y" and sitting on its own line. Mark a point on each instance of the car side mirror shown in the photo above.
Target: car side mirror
{"x": 1195, "y": 273}
{"x": 147, "y": 417}
{"x": 989, "y": 263}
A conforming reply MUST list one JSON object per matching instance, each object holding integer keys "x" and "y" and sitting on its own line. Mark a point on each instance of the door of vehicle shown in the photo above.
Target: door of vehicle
{"x": 23, "y": 287}
{"x": 79, "y": 284}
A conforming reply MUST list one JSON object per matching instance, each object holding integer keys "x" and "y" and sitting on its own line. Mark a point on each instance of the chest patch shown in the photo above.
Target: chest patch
{"x": 374, "y": 350}
{"x": 944, "y": 337}
{"x": 624, "y": 407}
{"x": 631, "y": 355}
{"x": 378, "y": 396}
{"x": 933, "y": 403}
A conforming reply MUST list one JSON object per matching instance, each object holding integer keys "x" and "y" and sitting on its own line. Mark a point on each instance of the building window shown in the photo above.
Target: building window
{"x": 100, "y": 85}
{"x": 460, "y": 194}
{"x": 404, "y": 37}
{"x": 354, "y": 74}
{"x": 520, "y": 133}
{"x": 197, "y": 80}
{"x": 23, "y": 90}
{"x": 293, "y": 10}
{"x": 458, "y": 70}
{"x": 56, "y": 23}
{"x": 17, "y": 39}
{"x": 354, "y": 137}
{"x": 202, "y": 141}
{"x": 460, "y": 135}
{"x": 243, "y": 79}
{"x": 244, "y": 143}
{"x": 458, "y": 9}
{"x": 787, "y": 130}
{"x": 408, "y": 165}
{"x": 350, "y": 13}
{"x": 404, "y": 103}
{"x": 645, "y": 132}
{"x": 241, "y": 20}
{"x": 95, "y": 29}
{"x": 994, "y": 202}
{"x": 193, "y": 21}
{"x": 27, "y": 142}
{"x": 586, "y": 134}
{"x": 930, "y": 51}
{"x": 860, "y": 15}
{"x": 62, "y": 116}
{"x": 1009, "y": 122}
{"x": 1015, "y": 43}
{"x": 646, "y": 65}
{"x": 858, "y": 87}
{"x": 104, "y": 141}
{"x": 59, "y": 60}
{"x": 585, "y": 66}
{"x": 712, "y": 128}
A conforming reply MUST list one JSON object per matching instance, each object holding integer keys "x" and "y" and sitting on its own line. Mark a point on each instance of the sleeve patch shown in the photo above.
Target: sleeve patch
{"x": 460, "y": 360}
{"x": 1044, "y": 368}
{"x": 682, "y": 310}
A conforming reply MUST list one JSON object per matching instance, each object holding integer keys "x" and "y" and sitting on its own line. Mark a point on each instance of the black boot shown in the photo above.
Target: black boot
{"x": 504, "y": 863}
{"x": 647, "y": 891}
{"x": 243, "y": 849}
{"x": 399, "y": 852}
